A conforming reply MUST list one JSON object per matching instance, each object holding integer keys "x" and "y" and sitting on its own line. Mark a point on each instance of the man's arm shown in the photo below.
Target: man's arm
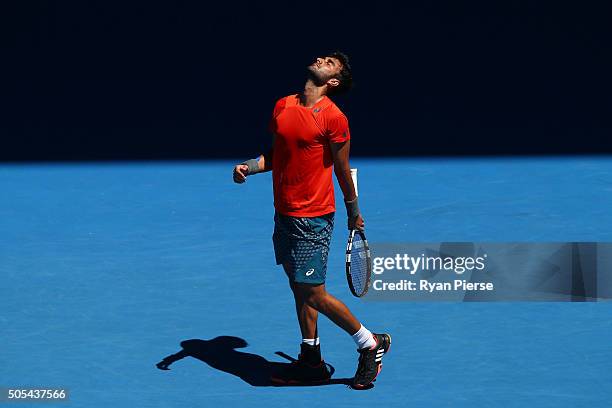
{"x": 261, "y": 164}
{"x": 342, "y": 169}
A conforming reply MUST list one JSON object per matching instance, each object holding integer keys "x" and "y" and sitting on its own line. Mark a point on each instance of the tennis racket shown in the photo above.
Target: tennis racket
{"x": 358, "y": 258}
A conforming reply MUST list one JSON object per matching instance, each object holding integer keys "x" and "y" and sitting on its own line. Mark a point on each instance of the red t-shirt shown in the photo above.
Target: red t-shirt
{"x": 302, "y": 162}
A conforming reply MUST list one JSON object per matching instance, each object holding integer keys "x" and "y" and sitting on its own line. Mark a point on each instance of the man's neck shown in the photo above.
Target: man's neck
{"x": 312, "y": 94}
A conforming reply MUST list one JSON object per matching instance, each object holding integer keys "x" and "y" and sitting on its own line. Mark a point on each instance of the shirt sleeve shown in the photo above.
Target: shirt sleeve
{"x": 278, "y": 107}
{"x": 338, "y": 129}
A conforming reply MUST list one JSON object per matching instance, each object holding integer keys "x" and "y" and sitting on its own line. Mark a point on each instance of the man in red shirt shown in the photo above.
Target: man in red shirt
{"x": 311, "y": 137}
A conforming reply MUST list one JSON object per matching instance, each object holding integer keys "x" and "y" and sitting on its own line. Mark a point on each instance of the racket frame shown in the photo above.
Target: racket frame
{"x": 349, "y": 247}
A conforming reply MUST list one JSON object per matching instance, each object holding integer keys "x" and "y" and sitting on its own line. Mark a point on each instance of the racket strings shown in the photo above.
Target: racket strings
{"x": 359, "y": 265}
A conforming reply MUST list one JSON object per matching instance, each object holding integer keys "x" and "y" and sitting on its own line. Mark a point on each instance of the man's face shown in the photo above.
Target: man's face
{"x": 324, "y": 70}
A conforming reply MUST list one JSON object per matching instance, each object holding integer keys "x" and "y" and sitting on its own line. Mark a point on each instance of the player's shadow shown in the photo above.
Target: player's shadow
{"x": 220, "y": 353}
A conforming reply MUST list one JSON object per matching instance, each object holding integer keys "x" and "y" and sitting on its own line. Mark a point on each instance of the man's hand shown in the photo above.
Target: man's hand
{"x": 240, "y": 173}
{"x": 356, "y": 223}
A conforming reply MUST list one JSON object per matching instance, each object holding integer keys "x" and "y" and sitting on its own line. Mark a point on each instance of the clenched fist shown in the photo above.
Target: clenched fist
{"x": 240, "y": 173}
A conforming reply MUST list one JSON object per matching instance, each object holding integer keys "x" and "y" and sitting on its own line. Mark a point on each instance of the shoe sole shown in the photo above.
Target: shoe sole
{"x": 278, "y": 381}
{"x": 282, "y": 381}
{"x": 359, "y": 386}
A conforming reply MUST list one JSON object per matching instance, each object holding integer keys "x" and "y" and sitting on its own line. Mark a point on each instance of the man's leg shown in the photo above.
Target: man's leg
{"x": 316, "y": 298}
{"x": 310, "y": 350}
{"x": 309, "y": 367}
{"x": 306, "y": 314}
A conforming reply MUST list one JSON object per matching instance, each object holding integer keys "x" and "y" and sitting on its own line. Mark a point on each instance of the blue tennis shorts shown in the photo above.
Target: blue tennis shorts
{"x": 303, "y": 244}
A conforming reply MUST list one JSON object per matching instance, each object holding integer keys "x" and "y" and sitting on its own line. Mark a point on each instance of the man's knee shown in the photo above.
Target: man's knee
{"x": 317, "y": 300}
{"x": 313, "y": 296}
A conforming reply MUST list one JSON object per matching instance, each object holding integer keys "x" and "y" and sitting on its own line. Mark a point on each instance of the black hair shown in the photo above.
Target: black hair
{"x": 344, "y": 76}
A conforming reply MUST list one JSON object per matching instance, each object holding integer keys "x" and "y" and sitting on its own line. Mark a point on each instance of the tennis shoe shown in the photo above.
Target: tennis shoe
{"x": 370, "y": 361}
{"x": 309, "y": 368}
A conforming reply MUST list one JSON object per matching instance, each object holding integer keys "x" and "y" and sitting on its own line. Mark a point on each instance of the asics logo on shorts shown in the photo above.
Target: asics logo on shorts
{"x": 309, "y": 272}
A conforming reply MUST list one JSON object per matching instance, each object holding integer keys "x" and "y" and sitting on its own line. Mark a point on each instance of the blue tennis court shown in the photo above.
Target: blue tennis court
{"x": 107, "y": 268}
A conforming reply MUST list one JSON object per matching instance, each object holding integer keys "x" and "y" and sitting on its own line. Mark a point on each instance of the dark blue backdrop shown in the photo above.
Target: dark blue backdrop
{"x": 94, "y": 80}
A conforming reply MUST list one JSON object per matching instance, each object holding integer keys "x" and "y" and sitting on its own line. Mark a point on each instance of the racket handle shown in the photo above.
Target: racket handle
{"x": 354, "y": 177}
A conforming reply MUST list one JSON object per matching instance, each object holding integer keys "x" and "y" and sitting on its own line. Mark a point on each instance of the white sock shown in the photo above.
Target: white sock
{"x": 311, "y": 342}
{"x": 364, "y": 338}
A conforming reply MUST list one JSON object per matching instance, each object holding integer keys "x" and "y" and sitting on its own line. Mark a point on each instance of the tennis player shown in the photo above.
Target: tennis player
{"x": 311, "y": 136}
